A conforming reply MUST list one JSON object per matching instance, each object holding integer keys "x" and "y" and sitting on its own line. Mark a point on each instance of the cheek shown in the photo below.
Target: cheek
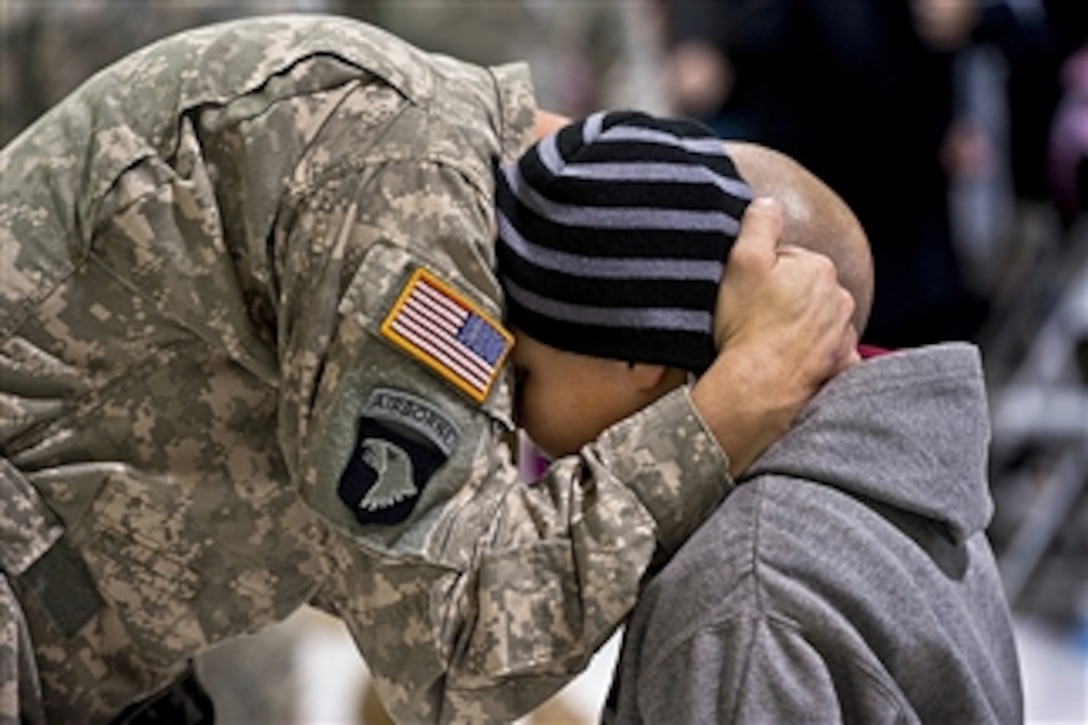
{"x": 529, "y": 410}
{"x": 570, "y": 424}
{"x": 547, "y": 417}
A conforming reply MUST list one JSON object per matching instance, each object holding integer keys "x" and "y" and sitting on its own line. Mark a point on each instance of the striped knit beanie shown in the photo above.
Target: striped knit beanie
{"x": 613, "y": 235}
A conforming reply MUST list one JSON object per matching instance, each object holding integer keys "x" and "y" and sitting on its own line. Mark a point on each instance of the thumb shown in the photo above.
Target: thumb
{"x": 760, "y": 230}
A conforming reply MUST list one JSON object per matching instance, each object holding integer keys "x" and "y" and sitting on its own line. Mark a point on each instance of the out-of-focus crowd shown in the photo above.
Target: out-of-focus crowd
{"x": 956, "y": 129}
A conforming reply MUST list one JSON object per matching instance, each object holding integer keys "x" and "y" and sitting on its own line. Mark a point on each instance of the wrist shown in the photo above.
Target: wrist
{"x": 747, "y": 404}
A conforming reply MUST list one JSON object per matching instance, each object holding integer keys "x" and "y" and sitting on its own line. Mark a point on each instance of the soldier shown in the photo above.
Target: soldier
{"x": 252, "y": 356}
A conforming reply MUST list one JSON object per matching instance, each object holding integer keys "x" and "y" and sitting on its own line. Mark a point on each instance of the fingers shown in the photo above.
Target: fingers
{"x": 774, "y": 291}
{"x": 849, "y": 355}
{"x": 845, "y": 354}
{"x": 760, "y": 230}
{"x": 826, "y": 308}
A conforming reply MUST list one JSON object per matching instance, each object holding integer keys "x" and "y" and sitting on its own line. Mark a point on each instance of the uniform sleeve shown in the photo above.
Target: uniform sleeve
{"x": 472, "y": 595}
{"x": 758, "y": 669}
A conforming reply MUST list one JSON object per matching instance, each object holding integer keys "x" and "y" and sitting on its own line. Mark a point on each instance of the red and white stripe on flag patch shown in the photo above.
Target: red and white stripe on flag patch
{"x": 448, "y": 333}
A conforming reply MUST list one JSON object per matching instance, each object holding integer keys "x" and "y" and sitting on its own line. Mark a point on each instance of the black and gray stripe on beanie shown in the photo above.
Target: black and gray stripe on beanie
{"x": 613, "y": 235}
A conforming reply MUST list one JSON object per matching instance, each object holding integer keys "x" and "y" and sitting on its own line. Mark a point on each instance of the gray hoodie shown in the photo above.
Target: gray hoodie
{"x": 848, "y": 578}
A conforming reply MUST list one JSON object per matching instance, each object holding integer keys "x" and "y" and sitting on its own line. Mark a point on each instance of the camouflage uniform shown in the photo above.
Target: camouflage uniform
{"x": 208, "y": 419}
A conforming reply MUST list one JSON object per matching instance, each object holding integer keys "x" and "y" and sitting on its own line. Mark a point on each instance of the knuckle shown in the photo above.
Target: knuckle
{"x": 742, "y": 255}
{"x": 824, "y": 264}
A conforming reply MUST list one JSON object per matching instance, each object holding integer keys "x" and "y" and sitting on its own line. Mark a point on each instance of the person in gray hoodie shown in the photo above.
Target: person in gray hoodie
{"x": 848, "y": 576}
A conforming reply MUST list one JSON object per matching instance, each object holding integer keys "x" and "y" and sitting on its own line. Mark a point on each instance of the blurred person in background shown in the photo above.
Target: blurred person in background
{"x": 862, "y": 93}
{"x": 1012, "y": 217}
{"x": 775, "y": 71}
{"x": 1067, "y": 152}
{"x": 1034, "y": 41}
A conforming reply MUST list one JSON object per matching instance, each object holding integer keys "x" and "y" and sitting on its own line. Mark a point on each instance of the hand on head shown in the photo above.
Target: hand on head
{"x": 783, "y": 320}
{"x": 784, "y": 327}
{"x": 785, "y": 296}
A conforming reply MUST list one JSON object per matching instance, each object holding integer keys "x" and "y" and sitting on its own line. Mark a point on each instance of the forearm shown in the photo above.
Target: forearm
{"x": 747, "y": 402}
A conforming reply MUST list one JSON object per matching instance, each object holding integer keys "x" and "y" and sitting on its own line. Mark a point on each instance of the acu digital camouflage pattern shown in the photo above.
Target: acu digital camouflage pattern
{"x": 196, "y": 250}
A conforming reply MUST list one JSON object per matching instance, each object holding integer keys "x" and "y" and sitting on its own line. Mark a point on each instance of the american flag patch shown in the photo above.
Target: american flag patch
{"x": 448, "y": 333}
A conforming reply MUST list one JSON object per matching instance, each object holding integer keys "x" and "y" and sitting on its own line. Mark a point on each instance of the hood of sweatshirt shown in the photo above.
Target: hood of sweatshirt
{"x": 908, "y": 429}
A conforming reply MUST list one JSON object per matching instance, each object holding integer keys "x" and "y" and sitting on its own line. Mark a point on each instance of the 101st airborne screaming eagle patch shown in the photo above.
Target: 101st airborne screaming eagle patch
{"x": 403, "y": 439}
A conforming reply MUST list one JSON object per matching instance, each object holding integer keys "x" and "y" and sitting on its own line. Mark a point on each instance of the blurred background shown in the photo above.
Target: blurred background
{"x": 956, "y": 129}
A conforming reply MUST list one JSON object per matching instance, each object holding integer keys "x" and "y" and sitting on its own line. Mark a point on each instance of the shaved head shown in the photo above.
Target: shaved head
{"x": 814, "y": 217}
